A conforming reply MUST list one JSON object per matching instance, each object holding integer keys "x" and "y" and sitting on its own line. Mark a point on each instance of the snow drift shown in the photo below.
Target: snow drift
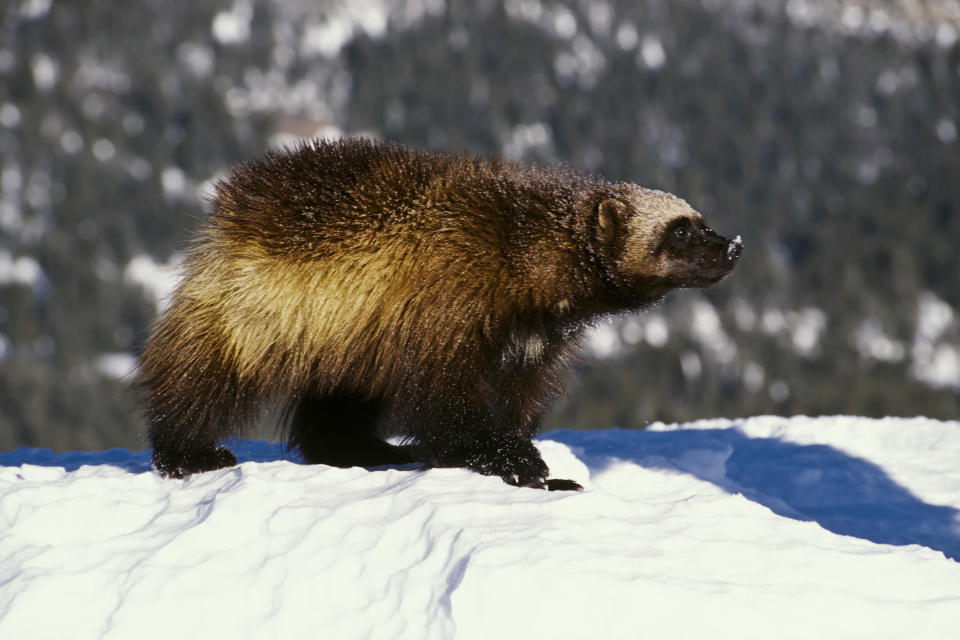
{"x": 758, "y": 528}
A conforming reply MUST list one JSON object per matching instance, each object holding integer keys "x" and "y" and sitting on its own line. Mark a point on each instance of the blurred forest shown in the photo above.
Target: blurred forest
{"x": 825, "y": 134}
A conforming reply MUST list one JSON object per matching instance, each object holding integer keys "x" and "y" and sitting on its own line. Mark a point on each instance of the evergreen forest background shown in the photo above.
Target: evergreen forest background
{"x": 824, "y": 133}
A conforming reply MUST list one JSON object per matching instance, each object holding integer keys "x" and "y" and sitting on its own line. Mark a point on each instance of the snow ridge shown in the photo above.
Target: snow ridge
{"x": 765, "y": 527}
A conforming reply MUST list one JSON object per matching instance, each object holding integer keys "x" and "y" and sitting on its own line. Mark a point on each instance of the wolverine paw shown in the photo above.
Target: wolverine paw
{"x": 538, "y": 482}
{"x": 550, "y": 484}
{"x": 522, "y": 469}
{"x": 517, "y": 462}
{"x": 559, "y": 484}
{"x": 183, "y": 464}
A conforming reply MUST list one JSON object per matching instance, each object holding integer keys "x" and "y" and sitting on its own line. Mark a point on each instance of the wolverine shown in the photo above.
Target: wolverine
{"x": 375, "y": 292}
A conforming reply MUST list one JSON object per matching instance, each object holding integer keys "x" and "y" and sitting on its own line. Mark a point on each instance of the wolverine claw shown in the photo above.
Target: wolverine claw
{"x": 559, "y": 484}
{"x": 532, "y": 483}
{"x": 552, "y": 484}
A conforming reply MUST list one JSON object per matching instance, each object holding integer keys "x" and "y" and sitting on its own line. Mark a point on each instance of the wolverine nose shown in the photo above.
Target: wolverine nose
{"x": 733, "y": 250}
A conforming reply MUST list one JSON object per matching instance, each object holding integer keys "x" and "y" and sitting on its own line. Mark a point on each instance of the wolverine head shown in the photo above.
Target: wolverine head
{"x": 657, "y": 242}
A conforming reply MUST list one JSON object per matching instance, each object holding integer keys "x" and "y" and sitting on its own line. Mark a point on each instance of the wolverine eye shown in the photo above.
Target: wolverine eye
{"x": 678, "y": 235}
{"x": 681, "y": 229}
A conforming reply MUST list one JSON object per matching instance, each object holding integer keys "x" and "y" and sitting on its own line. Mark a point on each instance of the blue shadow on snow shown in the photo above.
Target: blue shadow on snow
{"x": 844, "y": 494}
{"x": 137, "y": 461}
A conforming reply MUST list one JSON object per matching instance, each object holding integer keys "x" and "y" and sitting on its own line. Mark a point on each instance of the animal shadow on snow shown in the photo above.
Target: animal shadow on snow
{"x": 844, "y": 494}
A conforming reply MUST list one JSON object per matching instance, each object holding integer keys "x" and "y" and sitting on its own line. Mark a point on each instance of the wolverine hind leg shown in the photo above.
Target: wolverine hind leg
{"x": 341, "y": 430}
{"x": 185, "y": 431}
{"x": 194, "y": 399}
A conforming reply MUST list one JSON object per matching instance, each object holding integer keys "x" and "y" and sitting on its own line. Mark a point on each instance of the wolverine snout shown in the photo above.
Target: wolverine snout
{"x": 715, "y": 256}
{"x": 727, "y": 252}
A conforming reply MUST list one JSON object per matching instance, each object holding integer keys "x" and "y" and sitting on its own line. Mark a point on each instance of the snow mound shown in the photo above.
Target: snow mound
{"x": 758, "y": 528}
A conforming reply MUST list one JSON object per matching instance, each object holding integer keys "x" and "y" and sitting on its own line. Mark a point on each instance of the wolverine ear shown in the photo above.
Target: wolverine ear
{"x": 611, "y": 219}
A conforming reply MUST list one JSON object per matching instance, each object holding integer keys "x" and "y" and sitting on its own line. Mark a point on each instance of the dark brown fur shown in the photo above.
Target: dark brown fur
{"x": 376, "y": 291}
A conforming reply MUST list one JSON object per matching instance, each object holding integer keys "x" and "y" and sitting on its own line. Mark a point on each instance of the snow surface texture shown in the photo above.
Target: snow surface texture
{"x": 769, "y": 527}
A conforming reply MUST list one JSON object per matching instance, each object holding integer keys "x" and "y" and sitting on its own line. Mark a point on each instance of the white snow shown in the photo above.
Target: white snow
{"x": 946, "y": 131}
{"x": 935, "y": 361}
{"x": 174, "y": 182}
{"x": 23, "y": 270}
{"x": 909, "y": 22}
{"x": 9, "y": 115}
{"x": 157, "y": 279}
{"x": 946, "y": 35}
{"x": 33, "y": 9}
{"x": 118, "y": 365}
{"x": 691, "y": 365}
{"x": 341, "y": 23}
{"x": 600, "y": 16}
{"x": 45, "y": 71}
{"x": 806, "y": 327}
{"x": 603, "y": 340}
{"x": 520, "y": 141}
{"x": 607, "y": 338}
{"x": 233, "y": 26}
{"x": 564, "y": 23}
{"x": 199, "y": 59}
{"x": 832, "y": 527}
{"x": 71, "y": 141}
{"x": 753, "y": 376}
{"x": 656, "y": 330}
{"x": 706, "y": 328}
{"x": 95, "y": 73}
{"x": 872, "y": 342}
{"x": 103, "y": 150}
{"x": 627, "y": 36}
{"x": 651, "y": 53}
